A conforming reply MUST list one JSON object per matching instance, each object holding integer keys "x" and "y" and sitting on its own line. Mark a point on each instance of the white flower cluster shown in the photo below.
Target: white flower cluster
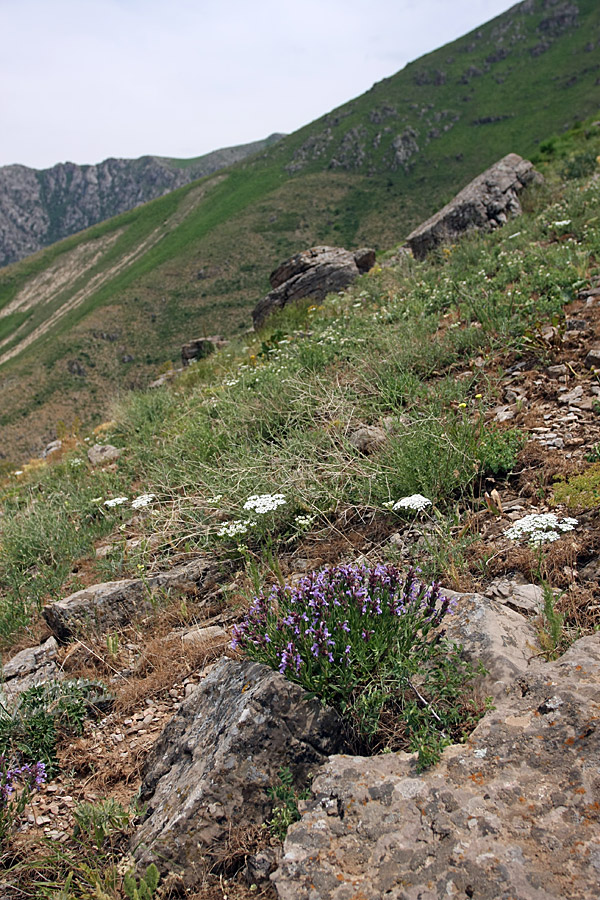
{"x": 304, "y": 521}
{"x": 416, "y": 502}
{"x": 142, "y": 500}
{"x": 74, "y": 463}
{"x": 539, "y": 528}
{"x": 264, "y": 503}
{"x": 562, "y": 223}
{"x": 115, "y": 501}
{"x": 238, "y": 526}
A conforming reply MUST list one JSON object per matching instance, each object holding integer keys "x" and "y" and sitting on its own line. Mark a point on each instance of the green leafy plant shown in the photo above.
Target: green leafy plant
{"x": 144, "y": 887}
{"x": 553, "y": 636}
{"x": 285, "y": 803}
{"x": 579, "y": 165}
{"x": 45, "y": 713}
{"x": 99, "y": 822}
{"x": 370, "y": 643}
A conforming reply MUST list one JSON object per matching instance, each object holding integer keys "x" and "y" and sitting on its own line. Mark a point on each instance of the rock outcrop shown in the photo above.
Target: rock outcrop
{"x": 312, "y": 273}
{"x": 487, "y": 202}
{"x": 201, "y": 348}
{"x": 513, "y": 813}
{"x": 104, "y": 607}
{"x": 38, "y": 207}
{"x": 209, "y": 772}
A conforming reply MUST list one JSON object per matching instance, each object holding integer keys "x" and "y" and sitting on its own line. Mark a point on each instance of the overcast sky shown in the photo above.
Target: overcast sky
{"x": 82, "y": 80}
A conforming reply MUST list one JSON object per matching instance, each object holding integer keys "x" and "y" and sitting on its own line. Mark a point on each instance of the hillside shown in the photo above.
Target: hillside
{"x": 438, "y": 418}
{"x": 40, "y": 207}
{"x": 108, "y": 309}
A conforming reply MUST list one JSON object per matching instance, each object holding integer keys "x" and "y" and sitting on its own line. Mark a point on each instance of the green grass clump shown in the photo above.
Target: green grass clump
{"x": 50, "y": 520}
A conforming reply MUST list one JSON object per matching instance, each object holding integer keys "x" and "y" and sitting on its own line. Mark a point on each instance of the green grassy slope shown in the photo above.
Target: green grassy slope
{"x": 196, "y": 261}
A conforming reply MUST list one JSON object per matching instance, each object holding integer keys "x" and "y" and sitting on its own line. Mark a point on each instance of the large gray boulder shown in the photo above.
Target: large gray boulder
{"x": 209, "y": 772}
{"x": 313, "y": 273}
{"x": 513, "y": 813}
{"x": 104, "y": 607}
{"x": 487, "y": 202}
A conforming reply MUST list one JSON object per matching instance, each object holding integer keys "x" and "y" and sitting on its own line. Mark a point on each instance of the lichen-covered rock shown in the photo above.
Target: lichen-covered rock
{"x": 485, "y": 203}
{"x": 30, "y": 667}
{"x": 100, "y": 454}
{"x": 210, "y": 770}
{"x": 313, "y": 273}
{"x": 102, "y": 607}
{"x": 490, "y": 633}
{"x": 513, "y": 813}
{"x": 368, "y": 438}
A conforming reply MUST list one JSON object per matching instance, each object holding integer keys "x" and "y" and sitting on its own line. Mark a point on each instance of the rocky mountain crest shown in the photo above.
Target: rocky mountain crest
{"x": 39, "y": 207}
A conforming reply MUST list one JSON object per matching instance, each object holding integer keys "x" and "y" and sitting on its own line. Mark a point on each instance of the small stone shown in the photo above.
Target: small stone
{"x": 556, "y": 371}
{"x": 571, "y": 397}
{"x": 368, "y": 438}
{"x": 504, "y": 413}
{"x": 100, "y": 454}
{"x": 592, "y": 360}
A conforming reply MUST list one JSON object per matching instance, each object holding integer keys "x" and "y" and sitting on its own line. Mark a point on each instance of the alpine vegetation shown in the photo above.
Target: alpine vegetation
{"x": 540, "y": 528}
{"x": 370, "y": 642}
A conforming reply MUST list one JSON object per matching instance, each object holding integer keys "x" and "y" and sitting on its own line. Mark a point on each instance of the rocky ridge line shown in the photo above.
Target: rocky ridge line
{"x": 39, "y": 207}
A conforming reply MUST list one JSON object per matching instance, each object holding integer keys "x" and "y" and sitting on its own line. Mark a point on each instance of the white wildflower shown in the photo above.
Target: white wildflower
{"x": 18, "y": 472}
{"x": 215, "y": 499}
{"x": 540, "y": 528}
{"x": 562, "y": 223}
{"x": 304, "y": 521}
{"x": 264, "y": 503}
{"x": 238, "y": 526}
{"x": 142, "y": 500}
{"x": 74, "y": 463}
{"x": 115, "y": 501}
{"x": 416, "y": 502}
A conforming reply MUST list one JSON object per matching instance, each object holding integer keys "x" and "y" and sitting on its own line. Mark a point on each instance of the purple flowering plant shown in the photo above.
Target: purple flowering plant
{"x": 17, "y": 784}
{"x": 370, "y": 642}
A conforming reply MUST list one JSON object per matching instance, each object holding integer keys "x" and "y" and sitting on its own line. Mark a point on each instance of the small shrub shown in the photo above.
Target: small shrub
{"x": 579, "y": 166}
{"x": 369, "y": 642}
{"x": 45, "y": 713}
{"x": 497, "y": 450}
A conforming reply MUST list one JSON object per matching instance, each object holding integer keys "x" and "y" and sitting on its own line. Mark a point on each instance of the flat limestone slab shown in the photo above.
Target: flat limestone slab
{"x": 513, "y": 814}
{"x": 103, "y": 607}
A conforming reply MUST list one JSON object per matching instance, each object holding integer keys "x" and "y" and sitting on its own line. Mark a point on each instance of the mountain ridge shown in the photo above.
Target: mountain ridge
{"x": 41, "y": 206}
